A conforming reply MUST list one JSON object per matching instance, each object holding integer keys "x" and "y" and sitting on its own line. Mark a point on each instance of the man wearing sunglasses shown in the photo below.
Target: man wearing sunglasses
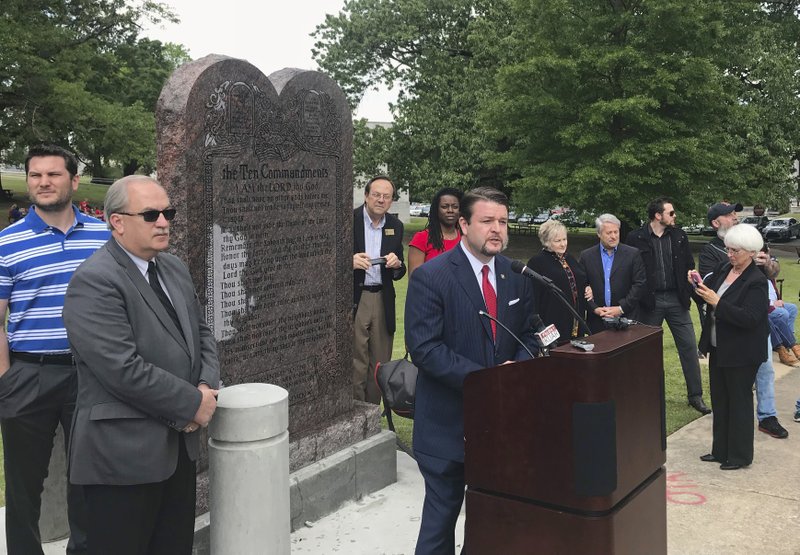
{"x": 38, "y": 382}
{"x": 148, "y": 372}
{"x": 667, "y": 259}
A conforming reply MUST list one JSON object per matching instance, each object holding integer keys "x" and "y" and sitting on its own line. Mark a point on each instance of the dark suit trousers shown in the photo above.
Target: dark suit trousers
{"x": 144, "y": 519}
{"x": 732, "y": 401}
{"x": 668, "y": 307}
{"x": 444, "y": 495}
{"x": 27, "y": 445}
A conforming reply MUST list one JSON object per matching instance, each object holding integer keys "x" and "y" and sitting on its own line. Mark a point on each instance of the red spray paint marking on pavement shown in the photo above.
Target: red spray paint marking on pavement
{"x": 682, "y": 490}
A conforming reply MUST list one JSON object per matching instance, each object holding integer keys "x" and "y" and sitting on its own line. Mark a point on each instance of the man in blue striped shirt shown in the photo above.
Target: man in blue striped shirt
{"x": 38, "y": 382}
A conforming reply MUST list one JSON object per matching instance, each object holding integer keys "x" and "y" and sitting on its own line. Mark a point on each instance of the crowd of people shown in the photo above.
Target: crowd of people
{"x": 117, "y": 352}
{"x": 456, "y": 270}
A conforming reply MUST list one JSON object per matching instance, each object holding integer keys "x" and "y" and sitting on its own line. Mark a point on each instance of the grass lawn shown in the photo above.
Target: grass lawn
{"x": 678, "y": 413}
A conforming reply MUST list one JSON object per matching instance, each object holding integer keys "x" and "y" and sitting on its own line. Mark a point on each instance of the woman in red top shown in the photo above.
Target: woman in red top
{"x": 441, "y": 234}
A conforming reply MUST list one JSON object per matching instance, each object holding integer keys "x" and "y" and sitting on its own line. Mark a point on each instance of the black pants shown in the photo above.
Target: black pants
{"x": 732, "y": 399}
{"x": 27, "y": 445}
{"x": 144, "y": 519}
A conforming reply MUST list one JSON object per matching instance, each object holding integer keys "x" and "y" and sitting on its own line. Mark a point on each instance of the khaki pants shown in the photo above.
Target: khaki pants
{"x": 372, "y": 343}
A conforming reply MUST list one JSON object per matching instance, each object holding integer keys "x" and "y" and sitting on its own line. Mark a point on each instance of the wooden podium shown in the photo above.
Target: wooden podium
{"x": 564, "y": 454}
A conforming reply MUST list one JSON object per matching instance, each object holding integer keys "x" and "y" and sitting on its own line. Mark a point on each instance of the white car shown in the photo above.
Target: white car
{"x": 415, "y": 210}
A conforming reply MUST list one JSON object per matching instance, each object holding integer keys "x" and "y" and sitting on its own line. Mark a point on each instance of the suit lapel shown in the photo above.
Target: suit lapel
{"x": 358, "y": 229}
{"x": 146, "y": 291}
{"x": 502, "y": 268}
{"x": 466, "y": 278}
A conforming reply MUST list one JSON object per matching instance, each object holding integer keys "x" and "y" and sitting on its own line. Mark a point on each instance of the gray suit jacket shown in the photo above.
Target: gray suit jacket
{"x": 137, "y": 375}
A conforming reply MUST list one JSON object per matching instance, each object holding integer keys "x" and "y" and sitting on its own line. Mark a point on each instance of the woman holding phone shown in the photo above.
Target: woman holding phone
{"x": 735, "y": 331}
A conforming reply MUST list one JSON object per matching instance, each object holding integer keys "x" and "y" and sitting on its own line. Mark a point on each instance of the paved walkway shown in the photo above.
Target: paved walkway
{"x": 709, "y": 512}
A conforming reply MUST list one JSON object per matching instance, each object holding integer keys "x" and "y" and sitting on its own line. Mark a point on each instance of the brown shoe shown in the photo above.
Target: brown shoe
{"x": 787, "y": 357}
{"x": 796, "y": 351}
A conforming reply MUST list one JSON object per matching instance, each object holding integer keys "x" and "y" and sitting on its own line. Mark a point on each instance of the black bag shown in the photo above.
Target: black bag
{"x": 397, "y": 380}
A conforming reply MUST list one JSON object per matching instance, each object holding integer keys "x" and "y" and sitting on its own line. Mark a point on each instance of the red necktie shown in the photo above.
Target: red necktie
{"x": 491, "y": 299}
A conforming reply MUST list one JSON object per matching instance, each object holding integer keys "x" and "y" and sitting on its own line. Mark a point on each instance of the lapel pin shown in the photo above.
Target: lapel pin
{"x": 502, "y": 276}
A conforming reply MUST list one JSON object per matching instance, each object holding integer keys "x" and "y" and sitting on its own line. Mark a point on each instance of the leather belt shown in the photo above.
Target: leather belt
{"x": 372, "y": 288}
{"x": 41, "y": 358}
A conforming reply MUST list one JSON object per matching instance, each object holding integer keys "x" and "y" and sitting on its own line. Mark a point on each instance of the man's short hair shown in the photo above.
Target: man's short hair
{"x": 378, "y": 178}
{"x": 70, "y": 162}
{"x": 606, "y": 219}
{"x": 116, "y": 199}
{"x": 481, "y": 193}
{"x": 656, "y": 206}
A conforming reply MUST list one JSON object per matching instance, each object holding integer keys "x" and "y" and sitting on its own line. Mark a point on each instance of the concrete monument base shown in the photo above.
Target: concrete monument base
{"x": 322, "y": 487}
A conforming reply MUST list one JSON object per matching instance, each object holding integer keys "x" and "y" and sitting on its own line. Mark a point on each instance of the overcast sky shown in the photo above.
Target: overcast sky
{"x": 270, "y": 35}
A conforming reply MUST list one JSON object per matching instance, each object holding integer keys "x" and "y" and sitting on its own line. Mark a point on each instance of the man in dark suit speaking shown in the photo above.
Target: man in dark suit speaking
{"x": 615, "y": 274}
{"x": 448, "y": 339}
{"x": 377, "y": 263}
{"x": 147, "y": 378}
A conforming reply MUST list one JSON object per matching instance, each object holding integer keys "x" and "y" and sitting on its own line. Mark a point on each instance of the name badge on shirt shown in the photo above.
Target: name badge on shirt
{"x": 388, "y": 231}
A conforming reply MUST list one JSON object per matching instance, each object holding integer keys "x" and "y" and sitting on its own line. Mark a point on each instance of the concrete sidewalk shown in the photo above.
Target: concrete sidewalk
{"x": 755, "y": 510}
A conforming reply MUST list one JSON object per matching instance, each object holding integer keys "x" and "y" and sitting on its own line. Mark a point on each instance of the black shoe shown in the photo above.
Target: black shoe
{"x": 697, "y": 404}
{"x": 726, "y": 466}
{"x": 771, "y": 426}
{"x": 709, "y": 458}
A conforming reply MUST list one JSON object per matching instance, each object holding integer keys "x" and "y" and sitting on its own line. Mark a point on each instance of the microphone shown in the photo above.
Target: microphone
{"x": 545, "y": 335}
{"x": 618, "y": 322}
{"x": 511, "y": 333}
{"x": 520, "y": 268}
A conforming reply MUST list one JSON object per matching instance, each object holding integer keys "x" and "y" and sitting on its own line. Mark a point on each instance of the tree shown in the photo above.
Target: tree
{"x": 77, "y": 74}
{"x": 424, "y": 49}
{"x": 595, "y": 105}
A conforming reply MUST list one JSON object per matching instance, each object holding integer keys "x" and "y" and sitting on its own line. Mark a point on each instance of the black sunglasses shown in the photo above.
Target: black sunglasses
{"x": 152, "y": 215}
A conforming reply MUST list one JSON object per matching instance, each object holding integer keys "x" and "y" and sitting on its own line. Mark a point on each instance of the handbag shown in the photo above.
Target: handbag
{"x": 397, "y": 381}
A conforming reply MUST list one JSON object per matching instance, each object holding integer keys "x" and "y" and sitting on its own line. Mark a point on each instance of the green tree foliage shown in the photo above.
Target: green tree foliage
{"x": 76, "y": 73}
{"x": 595, "y": 105}
{"x": 424, "y": 49}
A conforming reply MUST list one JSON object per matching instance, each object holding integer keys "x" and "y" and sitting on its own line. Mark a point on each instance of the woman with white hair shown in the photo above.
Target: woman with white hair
{"x": 735, "y": 331}
{"x": 555, "y": 263}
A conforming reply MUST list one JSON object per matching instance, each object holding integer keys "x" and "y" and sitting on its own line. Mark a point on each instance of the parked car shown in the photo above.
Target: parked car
{"x": 693, "y": 229}
{"x": 415, "y": 210}
{"x": 782, "y": 228}
{"x": 758, "y": 222}
{"x": 525, "y": 219}
{"x": 424, "y": 210}
{"x": 570, "y": 218}
{"x": 541, "y": 218}
{"x": 512, "y": 216}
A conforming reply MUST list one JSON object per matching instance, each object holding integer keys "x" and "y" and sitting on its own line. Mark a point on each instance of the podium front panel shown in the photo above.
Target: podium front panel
{"x": 575, "y": 430}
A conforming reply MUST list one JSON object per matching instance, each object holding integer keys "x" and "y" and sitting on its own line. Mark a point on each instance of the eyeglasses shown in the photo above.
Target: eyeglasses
{"x": 378, "y": 196}
{"x": 671, "y": 213}
{"x": 152, "y": 215}
{"x": 729, "y": 250}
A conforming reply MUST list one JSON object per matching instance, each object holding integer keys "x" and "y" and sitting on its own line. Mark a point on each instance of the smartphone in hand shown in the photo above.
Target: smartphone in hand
{"x": 696, "y": 279}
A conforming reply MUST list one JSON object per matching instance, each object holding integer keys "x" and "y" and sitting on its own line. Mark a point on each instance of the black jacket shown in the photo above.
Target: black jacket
{"x": 392, "y": 241}
{"x": 682, "y": 262}
{"x": 550, "y": 308}
{"x": 741, "y": 318}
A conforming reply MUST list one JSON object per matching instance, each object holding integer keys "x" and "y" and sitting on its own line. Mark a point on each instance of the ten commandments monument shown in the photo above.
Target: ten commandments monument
{"x": 260, "y": 170}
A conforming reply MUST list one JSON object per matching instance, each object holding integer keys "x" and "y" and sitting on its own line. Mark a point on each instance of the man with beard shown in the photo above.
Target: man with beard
{"x": 38, "y": 382}
{"x": 615, "y": 274}
{"x": 722, "y": 216}
{"x": 448, "y": 339}
{"x": 667, "y": 259}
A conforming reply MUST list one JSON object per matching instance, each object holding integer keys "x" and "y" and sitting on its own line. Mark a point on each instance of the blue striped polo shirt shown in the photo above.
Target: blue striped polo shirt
{"x": 36, "y": 264}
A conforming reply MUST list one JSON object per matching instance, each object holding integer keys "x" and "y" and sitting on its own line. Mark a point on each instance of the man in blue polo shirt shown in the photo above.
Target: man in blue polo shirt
{"x": 38, "y": 382}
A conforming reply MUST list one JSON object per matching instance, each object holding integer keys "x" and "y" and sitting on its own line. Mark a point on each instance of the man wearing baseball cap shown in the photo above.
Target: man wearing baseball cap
{"x": 722, "y": 216}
